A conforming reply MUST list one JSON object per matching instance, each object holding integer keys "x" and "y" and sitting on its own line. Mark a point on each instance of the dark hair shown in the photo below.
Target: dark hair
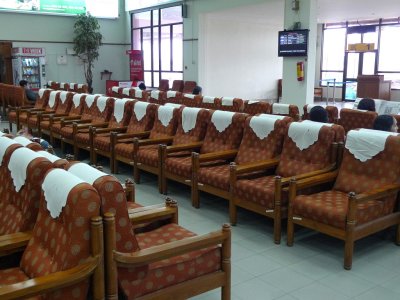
{"x": 318, "y": 114}
{"x": 366, "y": 104}
{"x": 23, "y": 83}
{"x": 383, "y": 122}
{"x": 142, "y": 86}
{"x": 197, "y": 90}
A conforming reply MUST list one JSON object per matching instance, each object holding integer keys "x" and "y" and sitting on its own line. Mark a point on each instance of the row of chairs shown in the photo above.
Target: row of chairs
{"x": 11, "y": 95}
{"x": 181, "y": 86}
{"x": 68, "y": 86}
{"x": 52, "y": 211}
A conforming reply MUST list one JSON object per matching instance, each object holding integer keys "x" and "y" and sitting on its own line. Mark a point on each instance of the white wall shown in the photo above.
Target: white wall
{"x": 55, "y": 34}
{"x": 238, "y": 58}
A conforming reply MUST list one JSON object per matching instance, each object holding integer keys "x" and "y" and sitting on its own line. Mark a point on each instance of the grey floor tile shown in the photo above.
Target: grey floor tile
{"x": 380, "y": 293}
{"x": 286, "y": 279}
{"x": 318, "y": 291}
{"x": 372, "y": 272}
{"x": 392, "y": 284}
{"x": 258, "y": 264}
{"x": 256, "y": 289}
{"x": 347, "y": 283}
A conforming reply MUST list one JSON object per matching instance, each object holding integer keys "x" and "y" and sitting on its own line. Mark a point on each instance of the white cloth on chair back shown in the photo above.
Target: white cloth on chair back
{"x": 190, "y": 96}
{"x": 86, "y": 172}
{"x": 227, "y": 101}
{"x": 41, "y": 92}
{"x": 165, "y": 114}
{"x": 171, "y": 94}
{"x": 280, "y": 108}
{"x": 101, "y": 103}
{"x": 140, "y": 109}
{"x": 126, "y": 91}
{"x": 89, "y": 100}
{"x": 5, "y": 142}
{"x": 49, "y": 156}
{"x": 52, "y": 98}
{"x": 155, "y": 94}
{"x": 23, "y": 140}
{"x": 222, "y": 119}
{"x": 19, "y": 161}
{"x": 364, "y": 144}
{"x": 80, "y": 85}
{"x": 115, "y": 89}
{"x": 189, "y": 118}
{"x": 305, "y": 133}
{"x": 77, "y": 99}
{"x": 138, "y": 93}
{"x": 208, "y": 99}
{"x": 56, "y": 187}
{"x": 262, "y": 126}
{"x": 119, "y": 108}
{"x": 63, "y": 96}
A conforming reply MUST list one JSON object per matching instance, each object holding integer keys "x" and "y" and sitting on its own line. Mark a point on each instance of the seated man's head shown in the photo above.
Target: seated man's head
{"x": 385, "y": 123}
{"x": 366, "y": 104}
{"x": 142, "y": 86}
{"x": 197, "y": 90}
{"x": 318, "y": 114}
{"x": 23, "y": 83}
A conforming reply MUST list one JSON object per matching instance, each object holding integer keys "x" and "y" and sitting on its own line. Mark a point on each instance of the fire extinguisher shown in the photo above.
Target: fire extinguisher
{"x": 300, "y": 71}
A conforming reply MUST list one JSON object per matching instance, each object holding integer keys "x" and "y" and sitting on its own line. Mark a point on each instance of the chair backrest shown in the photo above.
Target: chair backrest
{"x": 192, "y": 125}
{"x": 72, "y": 87}
{"x": 254, "y": 107}
{"x": 157, "y": 97}
{"x": 77, "y": 105}
{"x": 61, "y": 236}
{"x": 262, "y": 138}
{"x": 53, "y": 101}
{"x": 17, "y": 96}
{"x": 353, "y": 119}
{"x": 224, "y": 131}
{"x": 307, "y": 147}
{"x": 164, "y": 85}
{"x": 99, "y": 110}
{"x": 26, "y": 170}
{"x": 231, "y": 104}
{"x": 81, "y": 88}
{"x": 64, "y": 86}
{"x": 28, "y": 143}
{"x": 285, "y": 110}
{"x": 177, "y": 85}
{"x": 188, "y": 87}
{"x": 142, "y": 119}
{"x": 165, "y": 122}
{"x": 64, "y": 102}
{"x": 210, "y": 102}
{"x": 332, "y": 111}
{"x": 191, "y": 100}
{"x": 173, "y": 97}
{"x": 138, "y": 94}
{"x": 365, "y": 168}
{"x": 53, "y": 85}
{"x": 43, "y": 98}
{"x": 122, "y": 112}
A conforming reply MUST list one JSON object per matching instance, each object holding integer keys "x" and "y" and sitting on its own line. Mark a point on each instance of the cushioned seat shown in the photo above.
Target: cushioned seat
{"x": 353, "y": 119}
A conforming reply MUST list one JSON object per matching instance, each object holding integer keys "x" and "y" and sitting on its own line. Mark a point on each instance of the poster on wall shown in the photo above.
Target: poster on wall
{"x": 136, "y": 65}
{"x": 99, "y": 8}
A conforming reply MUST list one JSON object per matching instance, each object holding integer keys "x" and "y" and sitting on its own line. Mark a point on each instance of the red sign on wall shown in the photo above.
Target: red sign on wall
{"x": 136, "y": 65}
{"x": 28, "y": 51}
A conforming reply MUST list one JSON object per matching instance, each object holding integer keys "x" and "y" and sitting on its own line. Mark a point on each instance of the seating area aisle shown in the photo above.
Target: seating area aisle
{"x": 312, "y": 269}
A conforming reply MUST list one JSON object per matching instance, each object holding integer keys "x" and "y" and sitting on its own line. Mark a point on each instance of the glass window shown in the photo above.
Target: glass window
{"x": 171, "y": 15}
{"x": 136, "y": 43}
{"x": 142, "y": 19}
{"x": 166, "y": 48}
{"x": 389, "y": 49}
{"x": 333, "y": 49}
{"x": 330, "y": 76}
{"x": 171, "y": 76}
{"x": 177, "y": 47}
{"x": 156, "y": 55}
{"x": 147, "y": 48}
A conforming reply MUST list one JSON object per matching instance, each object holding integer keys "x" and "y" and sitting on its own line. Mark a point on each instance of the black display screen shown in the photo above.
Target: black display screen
{"x": 293, "y": 43}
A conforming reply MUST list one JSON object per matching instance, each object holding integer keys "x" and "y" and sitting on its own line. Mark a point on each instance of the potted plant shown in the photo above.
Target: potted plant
{"x": 87, "y": 41}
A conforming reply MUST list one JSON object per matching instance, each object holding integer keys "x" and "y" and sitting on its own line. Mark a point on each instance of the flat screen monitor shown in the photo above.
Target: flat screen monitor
{"x": 293, "y": 43}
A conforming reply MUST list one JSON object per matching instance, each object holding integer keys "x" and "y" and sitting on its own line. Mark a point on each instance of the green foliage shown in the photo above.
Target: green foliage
{"x": 87, "y": 41}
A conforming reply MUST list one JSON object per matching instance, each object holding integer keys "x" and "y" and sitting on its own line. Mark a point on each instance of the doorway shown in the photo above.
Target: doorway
{"x": 6, "y": 63}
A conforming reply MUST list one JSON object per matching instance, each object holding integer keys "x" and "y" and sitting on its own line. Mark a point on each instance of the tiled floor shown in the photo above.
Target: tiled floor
{"x": 311, "y": 269}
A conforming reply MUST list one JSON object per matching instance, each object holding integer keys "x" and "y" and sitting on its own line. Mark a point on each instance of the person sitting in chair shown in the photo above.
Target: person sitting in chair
{"x": 318, "y": 114}
{"x": 366, "y": 104}
{"x": 197, "y": 90}
{"x": 385, "y": 123}
{"x": 31, "y": 95}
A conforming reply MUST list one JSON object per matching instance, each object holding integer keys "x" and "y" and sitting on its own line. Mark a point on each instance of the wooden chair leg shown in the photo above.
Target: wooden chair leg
{"x": 397, "y": 237}
{"x": 348, "y": 252}
{"x": 232, "y": 212}
{"x": 110, "y": 265}
{"x": 76, "y": 151}
{"x": 195, "y": 194}
{"x": 62, "y": 146}
{"x": 97, "y": 237}
{"x": 226, "y": 265}
{"x": 277, "y": 226}
{"x": 136, "y": 174}
{"x": 10, "y": 125}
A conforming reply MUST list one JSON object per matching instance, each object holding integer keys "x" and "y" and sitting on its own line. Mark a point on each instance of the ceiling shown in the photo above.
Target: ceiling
{"x": 271, "y": 12}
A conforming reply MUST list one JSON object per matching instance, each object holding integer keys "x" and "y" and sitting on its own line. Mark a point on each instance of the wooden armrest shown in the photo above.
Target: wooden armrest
{"x": 36, "y": 111}
{"x": 257, "y": 166}
{"x": 76, "y": 121}
{"x": 148, "y": 142}
{"x": 227, "y": 154}
{"x": 183, "y": 147}
{"x": 168, "y": 250}
{"x": 382, "y": 192}
{"x": 51, "y": 282}
{"x": 26, "y": 108}
{"x": 121, "y": 136}
{"x": 151, "y": 213}
{"x": 84, "y": 125}
{"x": 47, "y": 112}
{"x": 309, "y": 174}
{"x": 11, "y": 242}
{"x": 64, "y": 117}
{"x": 316, "y": 180}
{"x": 105, "y": 130}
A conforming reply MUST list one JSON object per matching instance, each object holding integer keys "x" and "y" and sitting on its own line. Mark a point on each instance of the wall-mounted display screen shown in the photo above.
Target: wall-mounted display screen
{"x": 293, "y": 42}
{"x": 97, "y": 8}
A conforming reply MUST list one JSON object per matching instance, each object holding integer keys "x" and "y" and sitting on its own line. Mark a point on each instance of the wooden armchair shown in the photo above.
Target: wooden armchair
{"x": 140, "y": 124}
{"x": 138, "y": 94}
{"x": 157, "y": 97}
{"x": 188, "y": 87}
{"x": 363, "y": 194}
{"x": 99, "y": 137}
{"x": 353, "y": 119}
{"x": 223, "y": 136}
{"x": 302, "y": 156}
{"x": 254, "y": 107}
{"x": 15, "y": 98}
{"x": 62, "y": 109}
{"x": 289, "y": 110}
{"x": 333, "y": 113}
{"x": 173, "y": 97}
{"x": 177, "y": 86}
{"x": 164, "y": 85}
{"x": 190, "y": 100}
{"x": 263, "y": 142}
{"x": 210, "y": 102}
{"x": 231, "y": 104}
{"x": 66, "y": 247}
{"x": 64, "y": 86}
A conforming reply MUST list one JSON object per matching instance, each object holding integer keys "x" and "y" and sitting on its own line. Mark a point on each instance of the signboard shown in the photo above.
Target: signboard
{"x": 28, "y": 51}
{"x": 136, "y": 65}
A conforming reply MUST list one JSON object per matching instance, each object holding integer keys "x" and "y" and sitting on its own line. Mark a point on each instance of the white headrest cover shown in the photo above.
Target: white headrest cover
{"x": 280, "y": 108}
{"x": 49, "y": 156}
{"x": 165, "y": 114}
{"x": 189, "y": 118}
{"x": 126, "y": 91}
{"x": 208, "y": 99}
{"x": 101, "y": 103}
{"x": 5, "y": 142}
{"x": 77, "y": 99}
{"x": 2, "y": 133}
{"x": 190, "y": 96}
{"x": 227, "y": 101}
{"x": 262, "y": 126}
{"x": 115, "y": 89}
{"x": 41, "y": 92}
{"x": 62, "y": 84}
{"x": 23, "y": 140}
{"x": 86, "y": 172}
{"x": 52, "y": 98}
{"x": 364, "y": 144}
{"x": 119, "y": 108}
{"x": 90, "y": 99}
{"x": 63, "y": 96}
{"x": 140, "y": 109}
{"x": 222, "y": 119}
{"x": 138, "y": 93}
{"x": 176, "y": 105}
{"x": 56, "y": 187}
{"x": 72, "y": 84}
{"x": 171, "y": 94}
{"x": 18, "y": 164}
{"x": 253, "y": 101}
{"x": 275, "y": 117}
{"x": 155, "y": 94}
{"x": 305, "y": 133}
{"x": 80, "y": 85}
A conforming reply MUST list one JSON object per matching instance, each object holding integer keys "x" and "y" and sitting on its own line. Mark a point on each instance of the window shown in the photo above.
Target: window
{"x": 159, "y": 34}
{"x": 333, "y": 58}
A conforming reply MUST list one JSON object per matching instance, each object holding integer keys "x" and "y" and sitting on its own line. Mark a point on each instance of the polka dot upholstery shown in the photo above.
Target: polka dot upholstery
{"x": 39, "y": 103}
{"x": 215, "y": 105}
{"x": 254, "y": 108}
{"x": 160, "y": 100}
{"x": 61, "y": 108}
{"x": 197, "y": 133}
{"x": 237, "y": 105}
{"x": 189, "y": 102}
{"x": 33, "y": 119}
{"x": 353, "y": 119}
{"x": 75, "y": 111}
